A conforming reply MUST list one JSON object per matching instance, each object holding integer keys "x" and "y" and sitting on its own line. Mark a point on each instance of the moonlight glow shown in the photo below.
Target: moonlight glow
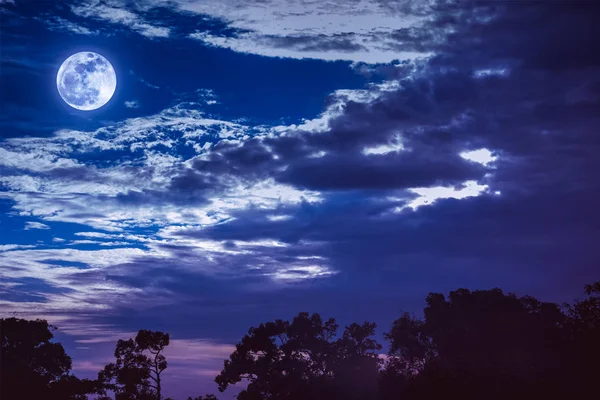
{"x": 86, "y": 81}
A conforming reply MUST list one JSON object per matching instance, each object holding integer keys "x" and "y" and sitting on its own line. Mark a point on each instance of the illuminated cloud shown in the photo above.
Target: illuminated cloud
{"x": 484, "y": 73}
{"x": 115, "y": 13}
{"x": 354, "y": 31}
{"x": 428, "y": 196}
{"x": 481, "y": 156}
{"x": 394, "y": 146}
{"x": 364, "y": 31}
{"x": 61, "y": 24}
{"x": 299, "y": 273}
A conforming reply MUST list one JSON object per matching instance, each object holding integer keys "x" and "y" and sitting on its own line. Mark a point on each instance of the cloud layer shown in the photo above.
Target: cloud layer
{"x": 371, "y": 31}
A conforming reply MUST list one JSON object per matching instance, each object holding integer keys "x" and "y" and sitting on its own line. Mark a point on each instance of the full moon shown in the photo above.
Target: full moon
{"x": 86, "y": 81}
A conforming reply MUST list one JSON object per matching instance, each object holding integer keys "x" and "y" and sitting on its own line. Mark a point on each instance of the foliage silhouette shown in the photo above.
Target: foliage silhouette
{"x": 302, "y": 360}
{"x": 470, "y": 344}
{"x": 33, "y": 367}
{"x": 481, "y": 344}
{"x": 136, "y": 374}
{"x": 584, "y": 316}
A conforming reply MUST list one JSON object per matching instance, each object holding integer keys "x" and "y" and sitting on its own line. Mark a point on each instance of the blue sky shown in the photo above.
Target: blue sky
{"x": 262, "y": 158}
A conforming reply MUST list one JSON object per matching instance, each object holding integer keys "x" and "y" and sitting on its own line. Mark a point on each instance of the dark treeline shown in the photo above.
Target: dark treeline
{"x": 470, "y": 345}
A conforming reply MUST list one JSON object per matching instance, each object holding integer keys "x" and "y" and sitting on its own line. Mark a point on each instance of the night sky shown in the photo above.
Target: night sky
{"x": 265, "y": 157}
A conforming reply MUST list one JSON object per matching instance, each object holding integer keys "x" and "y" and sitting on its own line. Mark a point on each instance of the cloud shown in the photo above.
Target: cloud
{"x": 60, "y": 24}
{"x": 321, "y": 47}
{"x": 39, "y": 161}
{"x": 115, "y": 13}
{"x": 142, "y": 80}
{"x": 378, "y": 172}
{"x": 132, "y": 104}
{"x": 9, "y": 247}
{"x": 358, "y": 31}
{"x": 431, "y": 194}
{"x": 354, "y": 31}
{"x": 35, "y": 225}
{"x": 453, "y": 120}
{"x": 482, "y": 156}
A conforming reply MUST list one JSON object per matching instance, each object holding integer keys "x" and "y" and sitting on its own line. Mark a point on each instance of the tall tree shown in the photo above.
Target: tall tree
{"x": 302, "y": 360}
{"x": 34, "y": 367}
{"x": 136, "y": 374}
{"x": 154, "y": 343}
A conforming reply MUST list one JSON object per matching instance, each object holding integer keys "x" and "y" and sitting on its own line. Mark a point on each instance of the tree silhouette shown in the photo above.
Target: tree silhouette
{"x": 154, "y": 343}
{"x": 470, "y": 344}
{"x": 586, "y": 313}
{"x": 480, "y": 344}
{"x": 301, "y": 360}
{"x": 136, "y": 374}
{"x": 357, "y": 362}
{"x": 585, "y": 329}
{"x": 33, "y": 367}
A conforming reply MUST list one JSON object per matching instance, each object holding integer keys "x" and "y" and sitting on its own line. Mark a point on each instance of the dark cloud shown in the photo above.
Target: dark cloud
{"x": 30, "y": 290}
{"x": 539, "y": 117}
{"x": 160, "y": 197}
{"x": 337, "y": 42}
{"x": 391, "y": 171}
{"x": 506, "y": 76}
{"x": 78, "y": 173}
{"x": 430, "y": 159}
{"x": 192, "y": 181}
{"x": 541, "y": 35}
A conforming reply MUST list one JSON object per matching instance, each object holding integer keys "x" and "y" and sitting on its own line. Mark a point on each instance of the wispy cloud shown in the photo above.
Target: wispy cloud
{"x": 132, "y": 104}
{"x": 35, "y": 225}
{"x": 61, "y": 24}
{"x": 116, "y": 13}
{"x": 9, "y": 247}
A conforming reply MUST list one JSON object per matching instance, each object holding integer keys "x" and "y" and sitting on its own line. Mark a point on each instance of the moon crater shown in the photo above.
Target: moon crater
{"x": 86, "y": 81}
